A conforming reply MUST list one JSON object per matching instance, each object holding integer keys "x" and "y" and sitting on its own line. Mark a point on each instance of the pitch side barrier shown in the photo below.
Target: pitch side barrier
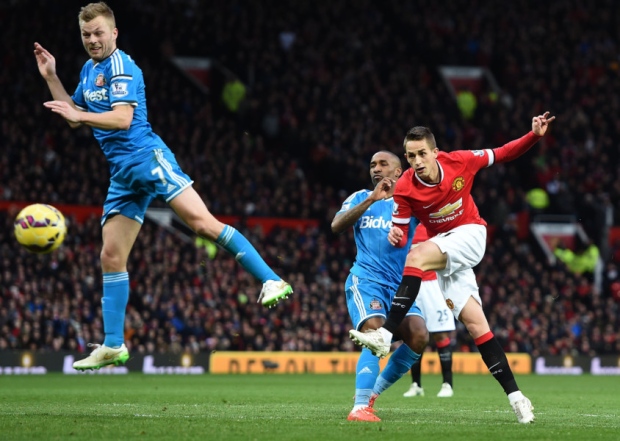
{"x": 240, "y": 363}
{"x": 343, "y": 363}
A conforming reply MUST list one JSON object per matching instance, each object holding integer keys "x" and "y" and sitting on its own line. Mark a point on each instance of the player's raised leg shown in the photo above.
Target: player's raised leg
{"x": 193, "y": 211}
{"x": 426, "y": 255}
{"x": 119, "y": 234}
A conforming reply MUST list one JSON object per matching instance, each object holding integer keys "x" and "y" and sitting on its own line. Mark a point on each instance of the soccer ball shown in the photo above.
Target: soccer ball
{"x": 40, "y": 228}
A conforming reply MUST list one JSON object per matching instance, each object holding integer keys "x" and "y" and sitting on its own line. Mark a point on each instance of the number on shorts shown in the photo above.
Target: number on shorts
{"x": 160, "y": 174}
{"x": 443, "y": 315}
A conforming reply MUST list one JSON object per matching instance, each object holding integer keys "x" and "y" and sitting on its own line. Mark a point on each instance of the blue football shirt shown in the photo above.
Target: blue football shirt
{"x": 376, "y": 259}
{"x": 103, "y": 85}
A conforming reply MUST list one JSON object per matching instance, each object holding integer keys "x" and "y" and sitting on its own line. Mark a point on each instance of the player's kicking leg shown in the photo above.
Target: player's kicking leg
{"x": 193, "y": 211}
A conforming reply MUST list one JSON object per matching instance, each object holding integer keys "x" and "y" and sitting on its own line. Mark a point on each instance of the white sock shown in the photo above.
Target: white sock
{"x": 358, "y": 407}
{"x": 387, "y": 335}
{"x": 515, "y": 396}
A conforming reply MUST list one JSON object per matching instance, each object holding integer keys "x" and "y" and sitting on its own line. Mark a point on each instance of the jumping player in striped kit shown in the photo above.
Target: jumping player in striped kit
{"x": 110, "y": 98}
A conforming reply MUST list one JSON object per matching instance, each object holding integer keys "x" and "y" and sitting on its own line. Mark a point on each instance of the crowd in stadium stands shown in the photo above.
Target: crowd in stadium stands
{"x": 320, "y": 99}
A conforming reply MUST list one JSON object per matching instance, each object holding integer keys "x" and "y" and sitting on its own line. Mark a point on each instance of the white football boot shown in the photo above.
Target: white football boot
{"x": 102, "y": 356}
{"x": 523, "y": 410}
{"x": 273, "y": 291}
{"x": 445, "y": 391}
{"x": 414, "y": 391}
{"x": 373, "y": 340}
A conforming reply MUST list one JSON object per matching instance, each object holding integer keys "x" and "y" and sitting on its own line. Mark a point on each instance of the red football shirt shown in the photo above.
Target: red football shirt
{"x": 448, "y": 204}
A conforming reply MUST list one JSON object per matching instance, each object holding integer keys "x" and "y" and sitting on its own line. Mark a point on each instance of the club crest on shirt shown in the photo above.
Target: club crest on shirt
{"x": 450, "y": 304}
{"x": 458, "y": 183}
{"x": 100, "y": 80}
{"x": 375, "y": 305}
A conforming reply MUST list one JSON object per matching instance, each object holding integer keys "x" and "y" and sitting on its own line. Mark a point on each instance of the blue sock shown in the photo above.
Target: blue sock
{"x": 237, "y": 245}
{"x": 366, "y": 374}
{"x": 399, "y": 364}
{"x": 113, "y": 305}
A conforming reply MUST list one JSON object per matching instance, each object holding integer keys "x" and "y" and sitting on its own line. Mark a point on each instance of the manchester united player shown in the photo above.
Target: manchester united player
{"x": 437, "y": 190}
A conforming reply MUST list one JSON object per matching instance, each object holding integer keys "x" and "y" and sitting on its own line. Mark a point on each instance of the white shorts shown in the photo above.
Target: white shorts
{"x": 465, "y": 246}
{"x": 432, "y": 304}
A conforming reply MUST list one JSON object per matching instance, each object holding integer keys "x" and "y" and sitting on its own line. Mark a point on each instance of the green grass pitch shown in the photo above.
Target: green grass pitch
{"x": 298, "y": 407}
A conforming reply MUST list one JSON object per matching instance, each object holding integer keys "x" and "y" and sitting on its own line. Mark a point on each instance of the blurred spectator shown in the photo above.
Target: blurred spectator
{"x": 467, "y": 103}
{"x": 233, "y": 94}
{"x": 538, "y": 199}
{"x": 583, "y": 260}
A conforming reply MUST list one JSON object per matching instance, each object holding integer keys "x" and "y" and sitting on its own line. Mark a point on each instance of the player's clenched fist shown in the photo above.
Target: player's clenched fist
{"x": 382, "y": 189}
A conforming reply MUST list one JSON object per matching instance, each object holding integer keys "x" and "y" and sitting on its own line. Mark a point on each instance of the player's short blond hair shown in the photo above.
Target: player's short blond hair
{"x": 94, "y": 10}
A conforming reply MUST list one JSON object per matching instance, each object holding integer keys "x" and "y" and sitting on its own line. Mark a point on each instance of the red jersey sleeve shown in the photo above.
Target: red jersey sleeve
{"x": 480, "y": 159}
{"x": 515, "y": 148}
{"x": 401, "y": 214}
{"x": 420, "y": 235}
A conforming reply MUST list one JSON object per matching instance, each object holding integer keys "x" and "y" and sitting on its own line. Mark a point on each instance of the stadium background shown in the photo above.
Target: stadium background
{"x": 356, "y": 75}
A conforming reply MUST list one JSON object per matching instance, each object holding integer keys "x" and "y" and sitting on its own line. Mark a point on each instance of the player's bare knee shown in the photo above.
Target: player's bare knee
{"x": 203, "y": 229}
{"x": 111, "y": 261}
{"x": 477, "y": 329}
{"x": 415, "y": 335}
{"x": 418, "y": 340}
{"x": 418, "y": 259}
{"x": 415, "y": 259}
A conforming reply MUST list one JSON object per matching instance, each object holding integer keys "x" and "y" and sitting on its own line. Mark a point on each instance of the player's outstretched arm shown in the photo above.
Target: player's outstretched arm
{"x": 517, "y": 147}
{"x": 47, "y": 68}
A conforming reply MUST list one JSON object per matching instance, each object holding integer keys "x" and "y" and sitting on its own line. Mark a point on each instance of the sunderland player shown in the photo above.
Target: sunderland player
{"x": 373, "y": 280}
{"x": 439, "y": 322}
{"x": 110, "y": 98}
{"x": 437, "y": 190}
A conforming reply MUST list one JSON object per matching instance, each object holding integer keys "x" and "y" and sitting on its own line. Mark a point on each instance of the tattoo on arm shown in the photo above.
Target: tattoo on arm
{"x": 349, "y": 217}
